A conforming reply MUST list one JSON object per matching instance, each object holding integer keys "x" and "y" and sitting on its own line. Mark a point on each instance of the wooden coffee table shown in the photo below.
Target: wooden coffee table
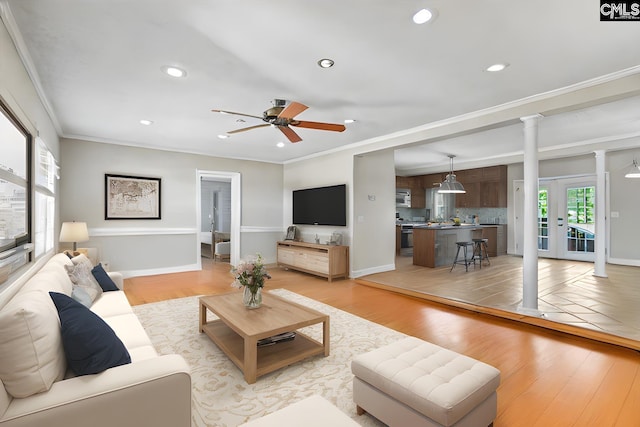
{"x": 238, "y": 330}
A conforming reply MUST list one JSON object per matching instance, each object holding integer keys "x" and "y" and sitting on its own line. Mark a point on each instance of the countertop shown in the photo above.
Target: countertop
{"x": 454, "y": 227}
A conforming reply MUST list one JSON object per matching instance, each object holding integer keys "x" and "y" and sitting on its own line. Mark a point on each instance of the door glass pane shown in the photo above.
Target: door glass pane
{"x": 543, "y": 219}
{"x": 581, "y": 219}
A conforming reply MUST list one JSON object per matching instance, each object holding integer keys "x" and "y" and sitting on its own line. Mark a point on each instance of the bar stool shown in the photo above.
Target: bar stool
{"x": 466, "y": 261}
{"x": 480, "y": 251}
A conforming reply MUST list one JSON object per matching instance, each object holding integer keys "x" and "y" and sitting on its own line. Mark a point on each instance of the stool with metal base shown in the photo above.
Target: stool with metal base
{"x": 480, "y": 251}
{"x": 466, "y": 260}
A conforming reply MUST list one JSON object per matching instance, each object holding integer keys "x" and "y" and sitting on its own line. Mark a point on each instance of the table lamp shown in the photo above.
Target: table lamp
{"x": 74, "y": 232}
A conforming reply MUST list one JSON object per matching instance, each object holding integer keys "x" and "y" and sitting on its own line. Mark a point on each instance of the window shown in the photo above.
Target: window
{"x": 15, "y": 192}
{"x": 45, "y": 179}
{"x": 581, "y": 219}
{"x": 543, "y": 219}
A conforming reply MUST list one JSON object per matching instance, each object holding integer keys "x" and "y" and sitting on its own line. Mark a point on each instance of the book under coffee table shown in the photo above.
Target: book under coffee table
{"x": 237, "y": 331}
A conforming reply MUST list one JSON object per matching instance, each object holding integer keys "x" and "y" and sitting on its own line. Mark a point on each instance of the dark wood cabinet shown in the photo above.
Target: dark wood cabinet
{"x": 418, "y": 199}
{"x": 403, "y": 182}
{"x": 432, "y": 181}
{"x": 486, "y": 188}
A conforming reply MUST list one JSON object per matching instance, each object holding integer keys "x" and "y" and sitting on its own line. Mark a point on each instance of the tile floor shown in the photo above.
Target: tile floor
{"x": 568, "y": 291}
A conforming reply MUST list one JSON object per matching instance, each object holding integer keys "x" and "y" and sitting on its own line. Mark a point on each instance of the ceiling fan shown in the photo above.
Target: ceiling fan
{"x": 282, "y": 116}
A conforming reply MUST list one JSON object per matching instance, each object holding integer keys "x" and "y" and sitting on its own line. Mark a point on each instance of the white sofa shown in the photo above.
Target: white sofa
{"x": 152, "y": 390}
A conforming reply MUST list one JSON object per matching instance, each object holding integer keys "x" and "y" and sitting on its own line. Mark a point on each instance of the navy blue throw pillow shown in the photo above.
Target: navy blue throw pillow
{"x": 90, "y": 345}
{"x": 103, "y": 279}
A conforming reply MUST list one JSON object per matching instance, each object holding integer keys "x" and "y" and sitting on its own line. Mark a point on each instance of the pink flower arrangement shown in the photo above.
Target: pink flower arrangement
{"x": 251, "y": 273}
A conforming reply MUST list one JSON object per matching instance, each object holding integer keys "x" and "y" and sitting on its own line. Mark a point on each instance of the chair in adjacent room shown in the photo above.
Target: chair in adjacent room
{"x": 480, "y": 251}
{"x": 465, "y": 258}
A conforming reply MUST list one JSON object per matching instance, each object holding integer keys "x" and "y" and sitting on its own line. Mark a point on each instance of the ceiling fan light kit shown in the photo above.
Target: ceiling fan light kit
{"x": 450, "y": 184}
{"x": 282, "y": 115}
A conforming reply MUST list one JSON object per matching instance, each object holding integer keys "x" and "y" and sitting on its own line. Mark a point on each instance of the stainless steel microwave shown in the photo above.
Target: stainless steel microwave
{"x": 403, "y": 198}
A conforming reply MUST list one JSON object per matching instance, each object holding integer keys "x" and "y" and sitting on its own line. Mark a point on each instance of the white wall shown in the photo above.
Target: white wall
{"x": 374, "y": 223}
{"x": 370, "y": 230}
{"x": 139, "y": 247}
{"x": 319, "y": 171}
{"x": 17, "y": 91}
{"x": 20, "y": 96}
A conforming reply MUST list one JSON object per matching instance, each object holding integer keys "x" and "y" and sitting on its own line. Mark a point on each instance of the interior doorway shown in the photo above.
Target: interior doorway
{"x": 566, "y": 217}
{"x": 218, "y": 209}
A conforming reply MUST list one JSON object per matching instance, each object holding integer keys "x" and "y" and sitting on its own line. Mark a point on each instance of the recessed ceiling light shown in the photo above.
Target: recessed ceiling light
{"x": 326, "y": 63}
{"x": 423, "y": 16}
{"x": 347, "y": 121}
{"x": 174, "y": 71}
{"x": 280, "y": 144}
{"x": 497, "y": 67}
{"x": 146, "y": 122}
{"x": 223, "y": 136}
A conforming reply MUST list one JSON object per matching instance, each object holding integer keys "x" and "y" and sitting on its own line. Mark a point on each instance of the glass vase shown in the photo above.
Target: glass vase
{"x": 252, "y": 299}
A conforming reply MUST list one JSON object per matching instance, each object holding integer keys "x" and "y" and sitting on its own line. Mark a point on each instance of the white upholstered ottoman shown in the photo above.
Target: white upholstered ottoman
{"x": 314, "y": 411}
{"x": 415, "y": 383}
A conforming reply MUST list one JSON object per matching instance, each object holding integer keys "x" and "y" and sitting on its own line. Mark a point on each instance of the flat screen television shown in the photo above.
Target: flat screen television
{"x": 320, "y": 206}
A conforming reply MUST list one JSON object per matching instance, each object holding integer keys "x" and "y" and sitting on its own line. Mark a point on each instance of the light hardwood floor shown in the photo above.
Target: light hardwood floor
{"x": 570, "y": 298}
{"x": 548, "y": 378}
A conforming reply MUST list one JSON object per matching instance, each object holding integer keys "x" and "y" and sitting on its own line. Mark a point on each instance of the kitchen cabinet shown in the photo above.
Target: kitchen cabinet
{"x": 486, "y": 188}
{"x": 413, "y": 183}
{"x": 433, "y": 180}
{"x": 418, "y": 200}
{"x": 403, "y": 181}
{"x": 497, "y": 239}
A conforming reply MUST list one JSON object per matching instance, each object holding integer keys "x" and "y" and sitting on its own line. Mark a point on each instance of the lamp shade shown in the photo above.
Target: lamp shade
{"x": 451, "y": 185}
{"x": 74, "y": 232}
{"x": 634, "y": 172}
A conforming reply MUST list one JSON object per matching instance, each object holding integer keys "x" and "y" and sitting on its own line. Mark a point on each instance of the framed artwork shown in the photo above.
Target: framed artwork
{"x": 131, "y": 197}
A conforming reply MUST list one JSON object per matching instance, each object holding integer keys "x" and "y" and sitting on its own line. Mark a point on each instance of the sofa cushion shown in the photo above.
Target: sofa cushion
{"x": 111, "y": 304}
{"x": 80, "y": 274}
{"x": 103, "y": 279}
{"x": 31, "y": 353}
{"x": 90, "y": 345}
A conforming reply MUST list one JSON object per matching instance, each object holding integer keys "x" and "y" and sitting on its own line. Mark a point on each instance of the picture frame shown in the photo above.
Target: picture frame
{"x": 291, "y": 233}
{"x": 132, "y": 197}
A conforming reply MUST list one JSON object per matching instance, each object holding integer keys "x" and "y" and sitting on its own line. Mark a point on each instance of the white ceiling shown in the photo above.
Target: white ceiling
{"x": 98, "y": 65}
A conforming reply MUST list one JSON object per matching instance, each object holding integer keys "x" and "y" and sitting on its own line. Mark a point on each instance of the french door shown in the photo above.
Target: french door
{"x": 566, "y": 218}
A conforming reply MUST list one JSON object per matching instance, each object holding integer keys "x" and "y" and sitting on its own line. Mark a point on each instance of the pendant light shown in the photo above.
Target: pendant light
{"x": 450, "y": 185}
{"x": 634, "y": 172}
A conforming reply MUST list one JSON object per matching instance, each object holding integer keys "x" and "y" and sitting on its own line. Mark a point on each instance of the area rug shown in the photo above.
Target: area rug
{"x": 221, "y": 397}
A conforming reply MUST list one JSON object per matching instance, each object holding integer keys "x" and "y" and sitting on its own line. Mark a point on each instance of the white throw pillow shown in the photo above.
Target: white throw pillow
{"x": 31, "y": 352}
{"x": 80, "y": 274}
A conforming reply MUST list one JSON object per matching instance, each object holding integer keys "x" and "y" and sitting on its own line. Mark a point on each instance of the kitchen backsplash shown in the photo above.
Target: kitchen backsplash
{"x": 487, "y": 215}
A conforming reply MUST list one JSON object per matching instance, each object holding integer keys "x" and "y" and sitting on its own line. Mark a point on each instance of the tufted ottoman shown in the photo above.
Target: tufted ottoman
{"x": 415, "y": 383}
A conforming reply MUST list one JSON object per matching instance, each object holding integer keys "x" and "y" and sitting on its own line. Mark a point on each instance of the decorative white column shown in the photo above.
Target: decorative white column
{"x": 530, "y": 222}
{"x": 599, "y": 266}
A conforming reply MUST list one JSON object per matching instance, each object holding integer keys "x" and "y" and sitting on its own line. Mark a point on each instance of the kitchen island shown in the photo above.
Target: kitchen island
{"x": 435, "y": 245}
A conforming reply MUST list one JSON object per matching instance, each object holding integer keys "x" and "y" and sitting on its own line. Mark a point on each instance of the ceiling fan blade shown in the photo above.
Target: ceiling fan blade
{"x": 292, "y": 110}
{"x": 290, "y": 134}
{"x": 236, "y": 114}
{"x": 317, "y": 125}
{"x": 249, "y": 128}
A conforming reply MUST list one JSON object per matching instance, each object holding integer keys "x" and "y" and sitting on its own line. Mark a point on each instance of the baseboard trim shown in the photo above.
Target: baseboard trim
{"x": 622, "y": 261}
{"x": 379, "y": 269}
{"x": 152, "y": 272}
